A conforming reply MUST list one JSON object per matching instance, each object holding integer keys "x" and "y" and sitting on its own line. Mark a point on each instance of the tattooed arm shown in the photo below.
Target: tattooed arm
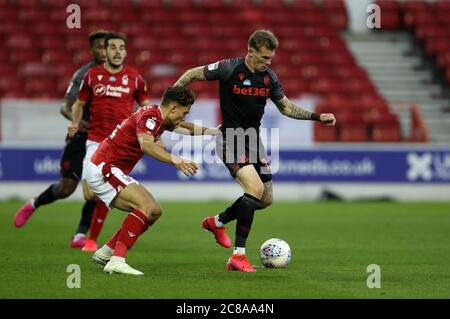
{"x": 291, "y": 110}
{"x": 195, "y": 74}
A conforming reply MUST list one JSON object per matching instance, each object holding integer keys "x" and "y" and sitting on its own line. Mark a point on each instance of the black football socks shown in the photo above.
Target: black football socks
{"x": 245, "y": 212}
{"x": 230, "y": 213}
{"x": 86, "y": 216}
{"x": 50, "y": 195}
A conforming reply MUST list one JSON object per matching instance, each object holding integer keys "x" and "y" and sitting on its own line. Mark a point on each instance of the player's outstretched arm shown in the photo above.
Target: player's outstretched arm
{"x": 77, "y": 113}
{"x": 188, "y": 128}
{"x": 291, "y": 110}
{"x": 191, "y": 75}
{"x": 149, "y": 147}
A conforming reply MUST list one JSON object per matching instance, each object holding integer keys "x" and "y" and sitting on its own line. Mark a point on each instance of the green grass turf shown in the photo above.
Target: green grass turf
{"x": 332, "y": 245}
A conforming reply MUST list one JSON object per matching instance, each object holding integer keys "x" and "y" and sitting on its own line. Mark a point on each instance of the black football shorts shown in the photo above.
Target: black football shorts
{"x": 73, "y": 155}
{"x": 239, "y": 151}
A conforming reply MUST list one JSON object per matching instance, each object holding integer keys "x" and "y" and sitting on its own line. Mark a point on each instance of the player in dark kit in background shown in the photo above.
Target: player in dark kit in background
{"x": 111, "y": 89}
{"x": 74, "y": 151}
{"x": 245, "y": 84}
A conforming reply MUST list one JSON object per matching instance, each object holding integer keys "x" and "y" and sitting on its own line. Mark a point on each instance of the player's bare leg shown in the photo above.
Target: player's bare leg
{"x": 63, "y": 189}
{"x": 267, "y": 196}
{"x": 144, "y": 211}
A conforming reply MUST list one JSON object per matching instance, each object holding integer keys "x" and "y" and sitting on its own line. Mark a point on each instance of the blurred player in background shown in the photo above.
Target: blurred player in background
{"x": 111, "y": 89}
{"x": 245, "y": 84}
{"x": 74, "y": 152}
{"x": 107, "y": 172}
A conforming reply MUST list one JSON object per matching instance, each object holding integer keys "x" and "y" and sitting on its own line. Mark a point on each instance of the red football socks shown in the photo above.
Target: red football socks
{"x": 133, "y": 226}
{"x": 98, "y": 219}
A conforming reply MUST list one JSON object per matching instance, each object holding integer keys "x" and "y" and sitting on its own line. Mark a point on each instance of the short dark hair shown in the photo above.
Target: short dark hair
{"x": 181, "y": 95}
{"x": 114, "y": 35}
{"x": 98, "y": 34}
{"x": 261, "y": 38}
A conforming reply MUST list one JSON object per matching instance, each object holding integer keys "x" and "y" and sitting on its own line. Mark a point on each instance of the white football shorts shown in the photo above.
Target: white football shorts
{"x": 107, "y": 181}
{"x": 91, "y": 147}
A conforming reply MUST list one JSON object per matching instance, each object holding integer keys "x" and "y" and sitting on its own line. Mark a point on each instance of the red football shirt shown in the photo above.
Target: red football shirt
{"x": 112, "y": 98}
{"x": 121, "y": 149}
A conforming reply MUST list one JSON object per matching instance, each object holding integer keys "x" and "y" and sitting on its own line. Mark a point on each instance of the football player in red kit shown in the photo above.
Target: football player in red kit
{"x": 108, "y": 169}
{"x": 111, "y": 89}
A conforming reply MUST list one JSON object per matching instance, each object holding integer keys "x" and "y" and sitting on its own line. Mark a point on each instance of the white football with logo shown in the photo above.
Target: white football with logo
{"x": 275, "y": 253}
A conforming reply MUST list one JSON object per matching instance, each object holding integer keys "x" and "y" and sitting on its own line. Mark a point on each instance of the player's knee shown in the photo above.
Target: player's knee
{"x": 266, "y": 202}
{"x": 156, "y": 212}
{"x": 152, "y": 211}
{"x": 256, "y": 189}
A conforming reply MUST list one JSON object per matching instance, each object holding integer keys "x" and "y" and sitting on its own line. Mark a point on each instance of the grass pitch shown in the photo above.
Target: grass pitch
{"x": 332, "y": 245}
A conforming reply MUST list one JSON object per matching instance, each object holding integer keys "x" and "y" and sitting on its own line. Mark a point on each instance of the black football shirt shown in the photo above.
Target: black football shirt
{"x": 243, "y": 94}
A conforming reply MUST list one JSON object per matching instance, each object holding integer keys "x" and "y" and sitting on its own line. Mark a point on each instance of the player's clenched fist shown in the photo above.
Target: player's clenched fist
{"x": 72, "y": 129}
{"x": 189, "y": 168}
{"x": 328, "y": 118}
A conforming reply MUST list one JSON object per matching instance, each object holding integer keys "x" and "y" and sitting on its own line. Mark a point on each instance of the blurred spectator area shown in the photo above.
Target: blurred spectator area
{"x": 165, "y": 38}
{"x": 429, "y": 21}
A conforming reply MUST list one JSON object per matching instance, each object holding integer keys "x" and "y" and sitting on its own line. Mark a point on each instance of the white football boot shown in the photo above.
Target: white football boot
{"x": 100, "y": 257}
{"x": 114, "y": 267}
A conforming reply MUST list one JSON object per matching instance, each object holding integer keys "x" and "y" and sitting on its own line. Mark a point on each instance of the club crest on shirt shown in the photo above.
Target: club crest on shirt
{"x": 213, "y": 66}
{"x": 266, "y": 80}
{"x": 125, "y": 80}
{"x": 150, "y": 124}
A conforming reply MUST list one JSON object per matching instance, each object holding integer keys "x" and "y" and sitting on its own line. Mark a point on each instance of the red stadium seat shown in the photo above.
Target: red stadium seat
{"x": 100, "y": 14}
{"x": 389, "y": 5}
{"x": 353, "y": 133}
{"x": 20, "y": 41}
{"x": 391, "y": 20}
{"x": 312, "y": 56}
{"x": 323, "y": 133}
{"x": 386, "y": 133}
{"x": 416, "y": 6}
{"x": 48, "y": 29}
{"x": 34, "y": 69}
{"x": 55, "y": 57}
{"x": 121, "y": 5}
{"x": 34, "y": 14}
{"x": 8, "y": 14}
{"x": 144, "y": 43}
{"x": 25, "y": 55}
{"x": 59, "y": 4}
{"x": 39, "y": 85}
{"x": 28, "y": 3}
{"x": 53, "y": 43}
{"x": 125, "y": 16}
{"x": 149, "y": 4}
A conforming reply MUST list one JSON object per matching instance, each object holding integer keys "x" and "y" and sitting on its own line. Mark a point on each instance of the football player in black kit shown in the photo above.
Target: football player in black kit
{"x": 74, "y": 151}
{"x": 244, "y": 85}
